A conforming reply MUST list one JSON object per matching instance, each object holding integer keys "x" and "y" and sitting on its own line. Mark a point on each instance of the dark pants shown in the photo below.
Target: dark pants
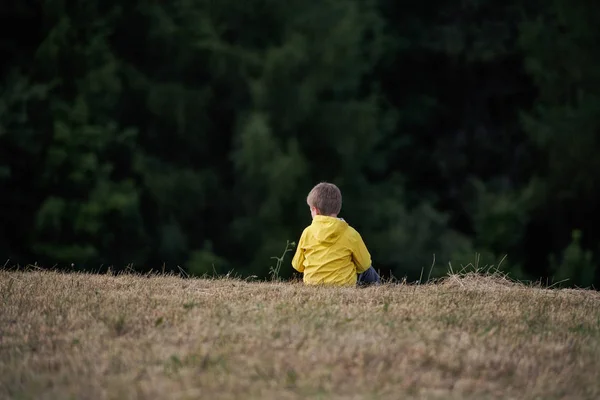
{"x": 369, "y": 277}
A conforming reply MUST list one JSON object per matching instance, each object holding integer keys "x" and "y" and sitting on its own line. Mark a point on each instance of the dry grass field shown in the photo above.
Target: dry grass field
{"x": 89, "y": 336}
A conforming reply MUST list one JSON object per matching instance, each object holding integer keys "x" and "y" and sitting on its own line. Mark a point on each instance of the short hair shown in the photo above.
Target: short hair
{"x": 326, "y": 197}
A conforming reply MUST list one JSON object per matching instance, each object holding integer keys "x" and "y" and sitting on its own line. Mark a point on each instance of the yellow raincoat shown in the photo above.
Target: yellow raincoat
{"x": 330, "y": 252}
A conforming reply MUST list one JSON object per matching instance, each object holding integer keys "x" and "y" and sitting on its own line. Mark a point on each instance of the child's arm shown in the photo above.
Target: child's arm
{"x": 360, "y": 255}
{"x": 298, "y": 260}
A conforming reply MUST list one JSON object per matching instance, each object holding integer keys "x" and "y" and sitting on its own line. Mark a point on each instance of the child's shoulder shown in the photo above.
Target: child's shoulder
{"x": 352, "y": 232}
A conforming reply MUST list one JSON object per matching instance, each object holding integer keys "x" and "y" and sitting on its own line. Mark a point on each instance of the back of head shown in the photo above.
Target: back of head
{"x": 326, "y": 197}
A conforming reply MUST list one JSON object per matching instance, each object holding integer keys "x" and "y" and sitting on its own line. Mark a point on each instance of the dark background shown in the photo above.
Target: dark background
{"x": 187, "y": 134}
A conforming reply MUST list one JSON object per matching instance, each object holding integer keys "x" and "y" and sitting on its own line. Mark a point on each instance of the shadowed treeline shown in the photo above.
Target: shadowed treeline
{"x": 189, "y": 133}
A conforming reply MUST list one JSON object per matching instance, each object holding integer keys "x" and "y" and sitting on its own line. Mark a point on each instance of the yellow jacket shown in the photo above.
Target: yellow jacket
{"x": 331, "y": 252}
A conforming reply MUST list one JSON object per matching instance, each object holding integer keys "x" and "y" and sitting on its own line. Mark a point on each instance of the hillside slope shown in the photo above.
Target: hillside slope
{"x": 135, "y": 337}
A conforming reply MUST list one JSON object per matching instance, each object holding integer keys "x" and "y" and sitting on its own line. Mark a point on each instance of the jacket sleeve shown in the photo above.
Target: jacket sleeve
{"x": 360, "y": 255}
{"x": 298, "y": 260}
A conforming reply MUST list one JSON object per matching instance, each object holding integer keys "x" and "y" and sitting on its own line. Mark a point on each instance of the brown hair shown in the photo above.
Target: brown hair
{"x": 326, "y": 197}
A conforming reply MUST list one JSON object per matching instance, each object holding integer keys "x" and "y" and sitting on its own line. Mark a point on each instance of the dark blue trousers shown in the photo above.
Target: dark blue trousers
{"x": 369, "y": 277}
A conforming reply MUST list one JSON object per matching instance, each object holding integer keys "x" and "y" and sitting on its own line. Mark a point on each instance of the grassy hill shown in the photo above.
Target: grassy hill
{"x": 134, "y": 337}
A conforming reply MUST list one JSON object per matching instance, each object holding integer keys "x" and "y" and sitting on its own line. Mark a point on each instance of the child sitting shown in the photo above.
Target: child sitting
{"x": 330, "y": 252}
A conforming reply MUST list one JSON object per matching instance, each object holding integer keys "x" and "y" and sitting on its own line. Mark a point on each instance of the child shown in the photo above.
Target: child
{"x": 330, "y": 252}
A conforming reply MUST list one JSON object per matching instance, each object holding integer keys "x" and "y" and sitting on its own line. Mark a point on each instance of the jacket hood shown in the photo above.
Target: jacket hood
{"x": 328, "y": 229}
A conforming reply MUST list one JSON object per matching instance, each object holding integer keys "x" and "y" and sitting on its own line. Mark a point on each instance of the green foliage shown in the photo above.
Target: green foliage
{"x": 189, "y": 133}
{"x": 205, "y": 261}
{"x": 407, "y": 238}
{"x": 576, "y": 266}
{"x": 274, "y": 271}
{"x": 560, "y": 45}
{"x": 500, "y": 220}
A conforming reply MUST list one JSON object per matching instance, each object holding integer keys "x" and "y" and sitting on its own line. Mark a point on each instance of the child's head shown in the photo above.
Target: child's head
{"x": 325, "y": 199}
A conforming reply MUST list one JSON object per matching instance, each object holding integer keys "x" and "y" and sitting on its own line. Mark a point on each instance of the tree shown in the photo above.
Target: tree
{"x": 69, "y": 155}
{"x": 561, "y": 55}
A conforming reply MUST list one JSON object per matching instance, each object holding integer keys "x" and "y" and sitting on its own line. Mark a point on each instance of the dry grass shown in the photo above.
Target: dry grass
{"x": 105, "y": 337}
